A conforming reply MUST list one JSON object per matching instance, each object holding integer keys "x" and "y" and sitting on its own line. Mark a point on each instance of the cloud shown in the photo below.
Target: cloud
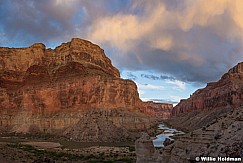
{"x": 131, "y": 76}
{"x": 178, "y": 84}
{"x": 161, "y": 77}
{"x": 34, "y": 21}
{"x": 149, "y": 87}
{"x": 171, "y": 100}
{"x": 188, "y": 40}
{"x": 144, "y": 88}
{"x": 153, "y": 77}
{"x": 165, "y": 43}
{"x": 191, "y": 41}
{"x": 169, "y": 79}
{"x": 123, "y": 30}
{"x": 165, "y": 77}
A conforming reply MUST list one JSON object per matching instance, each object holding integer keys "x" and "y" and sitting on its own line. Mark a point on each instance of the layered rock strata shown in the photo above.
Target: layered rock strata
{"x": 73, "y": 91}
{"x": 223, "y": 138}
{"x": 156, "y": 109}
{"x": 213, "y": 117}
{"x": 228, "y": 91}
{"x": 213, "y": 120}
{"x": 211, "y": 101}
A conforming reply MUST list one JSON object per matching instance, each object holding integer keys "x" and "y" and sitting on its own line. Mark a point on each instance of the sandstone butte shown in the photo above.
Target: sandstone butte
{"x": 72, "y": 91}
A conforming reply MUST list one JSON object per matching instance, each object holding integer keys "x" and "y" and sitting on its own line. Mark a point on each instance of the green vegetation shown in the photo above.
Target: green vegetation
{"x": 75, "y": 145}
{"x": 131, "y": 148}
{"x": 67, "y": 144}
{"x": 52, "y": 154}
{"x": 64, "y": 156}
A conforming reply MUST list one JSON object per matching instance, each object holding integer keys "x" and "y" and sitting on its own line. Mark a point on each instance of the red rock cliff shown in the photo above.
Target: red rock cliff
{"x": 156, "y": 109}
{"x": 52, "y": 90}
{"x": 227, "y": 92}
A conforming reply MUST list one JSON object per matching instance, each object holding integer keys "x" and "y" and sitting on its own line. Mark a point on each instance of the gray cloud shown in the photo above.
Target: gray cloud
{"x": 161, "y": 77}
{"x": 34, "y": 21}
{"x": 131, "y": 76}
{"x": 153, "y": 77}
{"x": 182, "y": 38}
{"x": 192, "y": 41}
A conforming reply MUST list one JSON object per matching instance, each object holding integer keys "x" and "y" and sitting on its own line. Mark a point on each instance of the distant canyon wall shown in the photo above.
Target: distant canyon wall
{"x": 227, "y": 92}
{"x": 211, "y": 102}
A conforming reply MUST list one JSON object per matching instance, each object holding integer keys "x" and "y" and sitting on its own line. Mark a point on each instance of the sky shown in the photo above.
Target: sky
{"x": 170, "y": 48}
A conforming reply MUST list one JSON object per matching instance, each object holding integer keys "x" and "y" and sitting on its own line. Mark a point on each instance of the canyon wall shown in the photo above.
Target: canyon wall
{"x": 54, "y": 90}
{"x": 156, "y": 109}
{"x": 208, "y": 103}
{"x": 227, "y": 92}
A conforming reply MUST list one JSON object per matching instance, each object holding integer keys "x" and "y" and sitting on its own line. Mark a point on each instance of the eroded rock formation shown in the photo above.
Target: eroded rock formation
{"x": 213, "y": 119}
{"x": 210, "y": 102}
{"x": 145, "y": 150}
{"x": 228, "y": 91}
{"x": 59, "y": 91}
{"x": 223, "y": 137}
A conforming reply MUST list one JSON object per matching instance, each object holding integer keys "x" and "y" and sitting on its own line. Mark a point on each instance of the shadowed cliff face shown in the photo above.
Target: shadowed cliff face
{"x": 211, "y": 101}
{"x": 50, "y": 91}
{"x": 228, "y": 91}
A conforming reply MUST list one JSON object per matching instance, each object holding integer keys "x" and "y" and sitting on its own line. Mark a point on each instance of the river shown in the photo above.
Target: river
{"x": 166, "y": 133}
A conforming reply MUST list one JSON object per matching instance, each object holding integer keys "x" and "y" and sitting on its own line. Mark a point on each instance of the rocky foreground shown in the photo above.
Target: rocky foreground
{"x": 222, "y": 138}
{"x": 72, "y": 91}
